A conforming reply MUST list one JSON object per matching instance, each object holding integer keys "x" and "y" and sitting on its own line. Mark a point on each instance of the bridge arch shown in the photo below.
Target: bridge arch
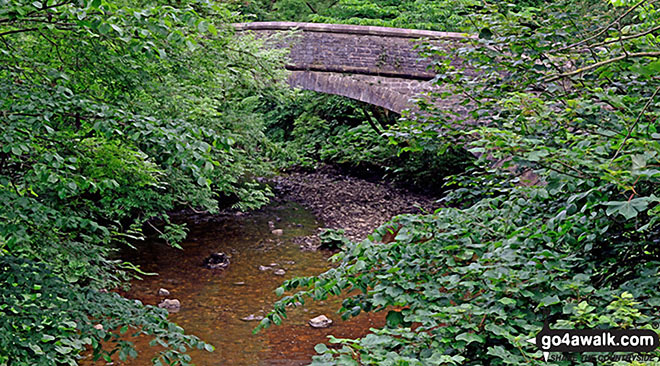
{"x": 375, "y": 65}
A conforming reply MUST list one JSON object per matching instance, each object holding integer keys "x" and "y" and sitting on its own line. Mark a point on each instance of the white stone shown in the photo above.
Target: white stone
{"x": 320, "y": 321}
{"x": 170, "y": 304}
{"x": 252, "y": 317}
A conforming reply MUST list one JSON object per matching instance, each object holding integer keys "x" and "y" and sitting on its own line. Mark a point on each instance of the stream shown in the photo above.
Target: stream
{"x": 214, "y": 301}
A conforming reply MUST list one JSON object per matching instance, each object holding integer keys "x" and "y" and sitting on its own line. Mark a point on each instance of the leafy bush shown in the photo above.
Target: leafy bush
{"x": 477, "y": 283}
{"x": 112, "y": 115}
{"x": 46, "y": 321}
{"x": 559, "y": 222}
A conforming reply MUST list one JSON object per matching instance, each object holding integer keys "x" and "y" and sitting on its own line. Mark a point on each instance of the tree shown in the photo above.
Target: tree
{"x": 113, "y": 114}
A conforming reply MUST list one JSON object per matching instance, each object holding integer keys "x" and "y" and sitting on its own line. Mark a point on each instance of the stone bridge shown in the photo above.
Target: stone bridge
{"x": 376, "y": 65}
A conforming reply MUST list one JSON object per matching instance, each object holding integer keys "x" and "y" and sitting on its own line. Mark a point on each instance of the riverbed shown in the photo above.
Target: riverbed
{"x": 213, "y": 302}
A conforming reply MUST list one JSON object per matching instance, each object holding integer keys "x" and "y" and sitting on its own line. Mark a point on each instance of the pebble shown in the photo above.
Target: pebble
{"x": 170, "y": 304}
{"x": 252, "y": 317}
{"x": 163, "y": 292}
{"x": 320, "y": 321}
{"x": 278, "y": 232}
{"x": 264, "y": 268}
{"x": 280, "y": 272}
{"x": 331, "y": 195}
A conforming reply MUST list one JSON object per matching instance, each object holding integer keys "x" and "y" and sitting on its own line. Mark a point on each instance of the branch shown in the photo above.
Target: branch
{"x": 57, "y": 49}
{"x": 367, "y": 116}
{"x": 642, "y": 34}
{"x": 257, "y": 59}
{"x": 50, "y": 7}
{"x": 18, "y": 31}
{"x": 602, "y": 63}
{"x": 605, "y": 29}
{"x": 549, "y": 167}
{"x": 632, "y": 128}
{"x": 310, "y": 7}
{"x": 8, "y": 20}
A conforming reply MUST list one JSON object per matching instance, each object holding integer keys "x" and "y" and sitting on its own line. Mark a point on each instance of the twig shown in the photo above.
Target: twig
{"x": 549, "y": 167}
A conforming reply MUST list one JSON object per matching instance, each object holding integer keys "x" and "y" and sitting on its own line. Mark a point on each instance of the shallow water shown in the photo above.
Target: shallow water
{"x": 214, "y": 301}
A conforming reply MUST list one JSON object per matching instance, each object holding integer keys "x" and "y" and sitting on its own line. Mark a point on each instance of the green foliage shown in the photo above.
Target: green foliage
{"x": 310, "y": 134}
{"x": 446, "y": 15}
{"x": 477, "y": 282}
{"x": 280, "y": 10}
{"x": 358, "y": 146}
{"x": 440, "y": 15}
{"x": 333, "y": 239}
{"x": 111, "y": 115}
{"x": 362, "y": 147}
{"x": 559, "y": 223}
{"x": 313, "y": 128}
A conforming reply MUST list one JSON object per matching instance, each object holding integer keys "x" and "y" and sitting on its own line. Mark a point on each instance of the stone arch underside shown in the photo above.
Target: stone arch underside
{"x": 374, "y": 90}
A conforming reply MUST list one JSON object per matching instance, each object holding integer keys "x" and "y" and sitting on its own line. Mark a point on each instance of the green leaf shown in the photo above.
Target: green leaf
{"x": 117, "y": 29}
{"x": 629, "y": 209}
{"x": 470, "y": 337}
{"x": 321, "y": 348}
{"x": 507, "y": 301}
{"x": 36, "y": 349}
{"x": 203, "y": 26}
{"x": 47, "y": 338}
{"x": 548, "y": 300}
{"x": 394, "y": 318}
{"x": 213, "y": 30}
{"x": 496, "y": 329}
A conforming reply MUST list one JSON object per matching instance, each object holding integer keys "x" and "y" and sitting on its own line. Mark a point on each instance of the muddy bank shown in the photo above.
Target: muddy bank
{"x": 344, "y": 202}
